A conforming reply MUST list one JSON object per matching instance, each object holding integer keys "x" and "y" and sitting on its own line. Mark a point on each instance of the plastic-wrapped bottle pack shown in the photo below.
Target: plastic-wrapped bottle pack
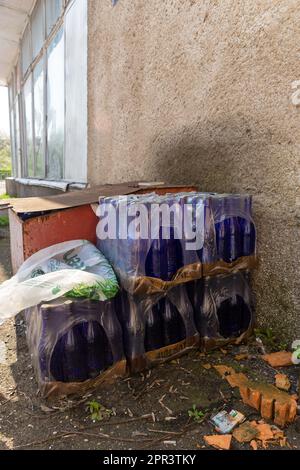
{"x": 152, "y": 262}
{"x": 223, "y": 308}
{"x": 156, "y": 328}
{"x": 75, "y": 345}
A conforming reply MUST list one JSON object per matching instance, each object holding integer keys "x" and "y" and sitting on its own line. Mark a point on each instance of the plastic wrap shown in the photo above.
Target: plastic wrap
{"x": 158, "y": 328}
{"x": 75, "y": 345}
{"x": 75, "y": 268}
{"x": 223, "y": 308}
{"x": 222, "y": 224}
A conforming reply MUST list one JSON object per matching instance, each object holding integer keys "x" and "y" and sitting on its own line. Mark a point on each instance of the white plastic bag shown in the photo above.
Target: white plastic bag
{"x": 54, "y": 271}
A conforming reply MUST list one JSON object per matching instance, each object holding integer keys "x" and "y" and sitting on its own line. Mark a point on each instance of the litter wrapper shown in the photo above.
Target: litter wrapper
{"x": 75, "y": 345}
{"x": 76, "y": 269}
{"x": 156, "y": 242}
{"x": 204, "y": 314}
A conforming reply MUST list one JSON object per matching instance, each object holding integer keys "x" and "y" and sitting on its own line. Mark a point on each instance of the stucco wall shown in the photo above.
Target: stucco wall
{"x": 200, "y": 91}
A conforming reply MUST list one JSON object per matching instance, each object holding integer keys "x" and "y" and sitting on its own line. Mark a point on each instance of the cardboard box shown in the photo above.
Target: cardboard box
{"x": 64, "y": 217}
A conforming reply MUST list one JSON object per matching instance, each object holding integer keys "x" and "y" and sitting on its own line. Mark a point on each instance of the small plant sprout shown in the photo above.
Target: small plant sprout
{"x": 195, "y": 414}
{"x": 97, "y": 411}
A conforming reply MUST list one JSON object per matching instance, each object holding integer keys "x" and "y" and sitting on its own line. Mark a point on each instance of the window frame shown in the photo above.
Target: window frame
{"x": 21, "y": 154}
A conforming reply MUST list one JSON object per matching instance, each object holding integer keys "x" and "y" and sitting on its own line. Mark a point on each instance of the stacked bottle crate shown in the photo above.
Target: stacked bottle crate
{"x": 175, "y": 297}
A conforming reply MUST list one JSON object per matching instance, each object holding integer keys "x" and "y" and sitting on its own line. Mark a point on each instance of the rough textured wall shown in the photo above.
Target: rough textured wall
{"x": 200, "y": 91}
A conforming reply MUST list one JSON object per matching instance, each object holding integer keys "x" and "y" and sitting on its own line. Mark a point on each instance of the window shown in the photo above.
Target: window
{"x": 76, "y": 92}
{"x": 26, "y": 50}
{"x": 48, "y": 100}
{"x": 39, "y": 116}
{"x": 37, "y": 28}
{"x": 53, "y": 11}
{"x": 55, "y": 106}
{"x": 29, "y": 126}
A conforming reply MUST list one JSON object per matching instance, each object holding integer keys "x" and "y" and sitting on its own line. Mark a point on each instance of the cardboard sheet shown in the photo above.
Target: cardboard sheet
{"x": 80, "y": 198}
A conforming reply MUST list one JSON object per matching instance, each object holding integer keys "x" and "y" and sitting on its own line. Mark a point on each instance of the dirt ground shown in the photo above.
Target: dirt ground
{"x": 149, "y": 411}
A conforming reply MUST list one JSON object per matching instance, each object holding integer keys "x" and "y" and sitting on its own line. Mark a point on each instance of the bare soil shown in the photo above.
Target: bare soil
{"x": 169, "y": 391}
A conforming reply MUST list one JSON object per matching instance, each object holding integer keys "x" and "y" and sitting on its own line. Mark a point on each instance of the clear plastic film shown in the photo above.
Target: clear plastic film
{"x": 156, "y": 328}
{"x": 206, "y": 313}
{"x": 181, "y": 237}
{"x": 75, "y": 345}
{"x": 223, "y": 308}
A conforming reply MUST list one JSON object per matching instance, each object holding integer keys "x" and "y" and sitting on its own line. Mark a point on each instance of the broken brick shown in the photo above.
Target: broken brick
{"x": 282, "y": 382}
{"x": 278, "y": 359}
{"x": 270, "y": 401}
{"x": 219, "y": 441}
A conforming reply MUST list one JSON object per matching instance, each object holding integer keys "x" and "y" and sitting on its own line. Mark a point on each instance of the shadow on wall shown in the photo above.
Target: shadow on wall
{"x": 233, "y": 155}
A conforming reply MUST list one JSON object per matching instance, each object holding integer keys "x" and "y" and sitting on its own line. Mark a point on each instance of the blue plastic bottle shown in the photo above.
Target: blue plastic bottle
{"x": 173, "y": 325}
{"x": 154, "y": 329}
{"x": 94, "y": 337}
{"x": 247, "y": 229}
{"x": 232, "y": 249}
{"x": 221, "y": 231}
{"x": 73, "y": 356}
{"x": 56, "y": 365}
{"x": 207, "y": 254}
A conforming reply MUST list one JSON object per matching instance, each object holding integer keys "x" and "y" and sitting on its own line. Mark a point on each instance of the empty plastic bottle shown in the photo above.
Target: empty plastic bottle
{"x": 73, "y": 356}
{"x": 95, "y": 339}
{"x": 154, "y": 338}
{"x": 173, "y": 325}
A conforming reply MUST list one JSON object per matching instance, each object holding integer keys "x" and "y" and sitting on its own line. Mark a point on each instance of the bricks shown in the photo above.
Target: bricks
{"x": 278, "y": 359}
{"x": 271, "y": 402}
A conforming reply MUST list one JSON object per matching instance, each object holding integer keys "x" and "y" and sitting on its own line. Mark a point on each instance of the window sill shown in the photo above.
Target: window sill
{"x": 60, "y": 185}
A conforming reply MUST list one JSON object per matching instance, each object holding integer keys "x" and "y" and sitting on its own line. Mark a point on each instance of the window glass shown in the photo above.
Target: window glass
{"x": 53, "y": 11}
{"x": 26, "y": 50}
{"x": 38, "y": 91}
{"x": 28, "y": 126}
{"x": 76, "y": 92}
{"x": 55, "y": 106}
{"x": 37, "y": 28}
{"x": 12, "y": 137}
{"x": 17, "y": 139}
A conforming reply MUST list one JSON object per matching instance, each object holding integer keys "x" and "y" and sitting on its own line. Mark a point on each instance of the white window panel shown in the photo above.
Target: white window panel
{"x": 29, "y": 126}
{"x": 76, "y": 92}
{"x": 53, "y": 11}
{"x": 55, "y": 107}
{"x": 38, "y": 92}
{"x": 26, "y": 50}
{"x": 12, "y": 123}
{"x": 38, "y": 28}
{"x": 17, "y": 139}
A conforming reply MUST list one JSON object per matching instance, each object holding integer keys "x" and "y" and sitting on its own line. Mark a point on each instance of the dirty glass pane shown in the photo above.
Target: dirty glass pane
{"x": 29, "y": 126}
{"x": 26, "y": 50}
{"x": 17, "y": 139}
{"x": 12, "y": 124}
{"x": 55, "y": 107}
{"x": 38, "y": 91}
{"x": 53, "y": 11}
{"x": 37, "y": 27}
{"x": 76, "y": 92}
